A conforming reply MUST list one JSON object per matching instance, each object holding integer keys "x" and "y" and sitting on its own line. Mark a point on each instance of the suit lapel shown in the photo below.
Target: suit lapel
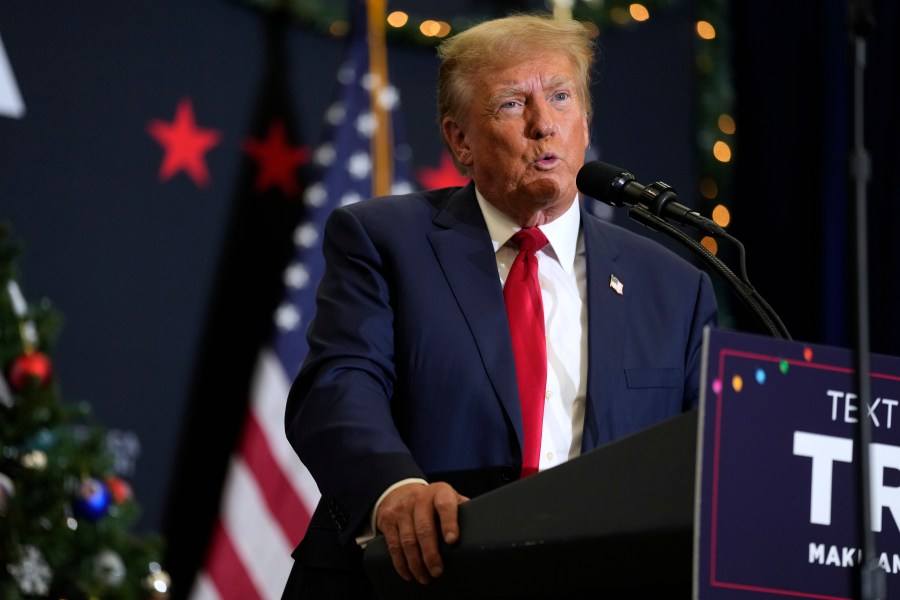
{"x": 606, "y": 331}
{"x": 463, "y": 248}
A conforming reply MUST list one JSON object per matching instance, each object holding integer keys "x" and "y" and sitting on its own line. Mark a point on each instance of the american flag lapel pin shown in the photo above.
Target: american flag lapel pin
{"x": 615, "y": 284}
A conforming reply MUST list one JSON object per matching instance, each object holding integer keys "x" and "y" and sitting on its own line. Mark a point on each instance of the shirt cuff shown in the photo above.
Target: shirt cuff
{"x": 369, "y": 531}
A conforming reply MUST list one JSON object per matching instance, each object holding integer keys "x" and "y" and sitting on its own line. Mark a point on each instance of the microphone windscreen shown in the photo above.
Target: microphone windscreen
{"x": 595, "y": 179}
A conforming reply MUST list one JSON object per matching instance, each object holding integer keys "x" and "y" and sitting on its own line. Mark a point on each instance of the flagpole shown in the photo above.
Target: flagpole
{"x": 562, "y": 9}
{"x": 381, "y": 138}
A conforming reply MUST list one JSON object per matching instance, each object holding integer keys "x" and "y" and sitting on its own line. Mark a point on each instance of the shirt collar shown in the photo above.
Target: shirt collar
{"x": 562, "y": 232}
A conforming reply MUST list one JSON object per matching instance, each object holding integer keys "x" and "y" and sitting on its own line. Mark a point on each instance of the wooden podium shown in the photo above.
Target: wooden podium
{"x": 618, "y": 518}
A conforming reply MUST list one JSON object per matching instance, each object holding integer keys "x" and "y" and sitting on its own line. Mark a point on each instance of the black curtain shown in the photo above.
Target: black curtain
{"x": 248, "y": 288}
{"x": 794, "y": 198}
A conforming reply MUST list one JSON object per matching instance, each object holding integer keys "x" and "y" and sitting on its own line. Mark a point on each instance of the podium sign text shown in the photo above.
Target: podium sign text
{"x": 778, "y": 498}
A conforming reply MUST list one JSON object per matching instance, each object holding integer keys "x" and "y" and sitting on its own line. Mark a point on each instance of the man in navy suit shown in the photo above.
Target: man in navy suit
{"x": 407, "y": 404}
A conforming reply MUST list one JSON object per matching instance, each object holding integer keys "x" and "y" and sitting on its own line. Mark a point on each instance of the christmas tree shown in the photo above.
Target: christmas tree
{"x": 66, "y": 515}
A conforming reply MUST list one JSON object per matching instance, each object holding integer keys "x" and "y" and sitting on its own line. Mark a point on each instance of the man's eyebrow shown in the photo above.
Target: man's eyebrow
{"x": 506, "y": 92}
{"x": 514, "y": 89}
{"x": 559, "y": 81}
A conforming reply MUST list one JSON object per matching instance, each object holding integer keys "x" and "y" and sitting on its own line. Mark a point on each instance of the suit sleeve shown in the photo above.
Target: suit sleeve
{"x": 705, "y": 313}
{"x": 338, "y": 414}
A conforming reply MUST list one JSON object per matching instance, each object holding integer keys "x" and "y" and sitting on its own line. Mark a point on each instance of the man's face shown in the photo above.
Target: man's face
{"x": 523, "y": 137}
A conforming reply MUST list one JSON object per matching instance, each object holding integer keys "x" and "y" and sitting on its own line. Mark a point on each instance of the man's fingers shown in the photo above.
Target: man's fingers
{"x": 411, "y": 519}
{"x": 398, "y": 557}
{"x": 412, "y": 553}
{"x": 426, "y": 531}
{"x": 446, "y": 503}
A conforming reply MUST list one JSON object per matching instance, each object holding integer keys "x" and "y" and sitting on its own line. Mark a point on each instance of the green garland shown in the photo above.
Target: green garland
{"x": 329, "y": 17}
{"x": 715, "y": 106}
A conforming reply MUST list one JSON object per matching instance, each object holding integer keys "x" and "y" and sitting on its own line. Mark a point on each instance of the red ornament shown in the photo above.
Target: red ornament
{"x": 34, "y": 365}
{"x": 120, "y": 490}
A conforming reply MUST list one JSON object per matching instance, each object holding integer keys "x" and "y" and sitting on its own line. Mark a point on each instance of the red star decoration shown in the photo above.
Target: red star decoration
{"x": 277, "y": 160}
{"x": 184, "y": 143}
{"x": 444, "y": 175}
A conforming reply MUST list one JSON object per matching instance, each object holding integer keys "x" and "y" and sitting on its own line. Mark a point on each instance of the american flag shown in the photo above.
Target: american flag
{"x": 268, "y": 495}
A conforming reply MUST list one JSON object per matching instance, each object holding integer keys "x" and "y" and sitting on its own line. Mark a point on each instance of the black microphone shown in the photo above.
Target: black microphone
{"x": 616, "y": 186}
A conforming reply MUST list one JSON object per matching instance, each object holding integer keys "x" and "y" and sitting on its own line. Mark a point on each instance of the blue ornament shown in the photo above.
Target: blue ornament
{"x": 92, "y": 499}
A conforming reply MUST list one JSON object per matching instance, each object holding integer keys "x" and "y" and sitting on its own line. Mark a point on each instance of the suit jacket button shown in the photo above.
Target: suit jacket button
{"x": 508, "y": 473}
{"x": 341, "y": 522}
{"x": 337, "y": 515}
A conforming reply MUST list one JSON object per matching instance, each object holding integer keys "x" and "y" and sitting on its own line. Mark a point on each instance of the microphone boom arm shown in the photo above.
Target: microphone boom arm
{"x": 760, "y": 308}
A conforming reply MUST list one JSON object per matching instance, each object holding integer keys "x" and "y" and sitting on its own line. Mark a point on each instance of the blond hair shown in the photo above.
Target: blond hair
{"x": 506, "y": 41}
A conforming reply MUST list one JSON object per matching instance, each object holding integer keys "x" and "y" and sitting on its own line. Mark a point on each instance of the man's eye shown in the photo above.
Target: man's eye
{"x": 561, "y": 95}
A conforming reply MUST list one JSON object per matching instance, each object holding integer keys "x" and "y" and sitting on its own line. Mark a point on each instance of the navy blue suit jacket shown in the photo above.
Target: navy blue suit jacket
{"x": 410, "y": 370}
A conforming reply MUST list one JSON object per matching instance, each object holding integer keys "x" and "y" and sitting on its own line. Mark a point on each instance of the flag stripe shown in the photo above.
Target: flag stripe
{"x": 258, "y": 539}
{"x": 270, "y": 390}
{"x": 277, "y": 492}
{"x": 204, "y": 589}
{"x": 227, "y": 571}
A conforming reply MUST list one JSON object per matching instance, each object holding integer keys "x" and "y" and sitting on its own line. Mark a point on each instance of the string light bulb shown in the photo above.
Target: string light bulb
{"x": 726, "y": 124}
{"x": 432, "y": 28}
{"x": 709, "y": 189}
{"x": 619, "y": 15}
{"x": 398, "y": 18}
{"x": 639, "y": 12}
{"x": 339, "y": 28}
{"x": 721, "y": 215}
{"x": 705, "y": 30}
{"x": 722, "y": 151}
{"x": 710, "y": 244}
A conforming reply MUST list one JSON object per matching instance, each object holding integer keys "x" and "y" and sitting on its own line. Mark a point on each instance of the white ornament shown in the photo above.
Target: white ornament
{"x": 110, "y": 568}
{"x": 32, "y": 573}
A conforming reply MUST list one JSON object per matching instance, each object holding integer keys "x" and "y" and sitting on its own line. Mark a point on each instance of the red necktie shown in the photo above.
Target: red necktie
{"x": 525, "y": 310}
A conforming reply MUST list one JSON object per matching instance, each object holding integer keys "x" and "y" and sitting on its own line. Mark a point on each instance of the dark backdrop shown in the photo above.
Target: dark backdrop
{"x": 794, "y": 199}
{"x": 167, "y": 287}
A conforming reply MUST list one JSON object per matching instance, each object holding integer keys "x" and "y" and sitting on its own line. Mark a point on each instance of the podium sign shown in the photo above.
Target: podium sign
{"x": 777, "y": 505}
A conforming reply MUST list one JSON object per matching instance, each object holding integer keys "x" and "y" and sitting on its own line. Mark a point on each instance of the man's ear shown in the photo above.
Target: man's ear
{"x": 587, "y": 132}
{"x": 456, "y": 141}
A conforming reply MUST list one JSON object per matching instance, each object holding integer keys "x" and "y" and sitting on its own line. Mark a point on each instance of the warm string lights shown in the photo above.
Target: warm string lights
{"x": 332, "y": 17}
{"x": 716, "y": 127}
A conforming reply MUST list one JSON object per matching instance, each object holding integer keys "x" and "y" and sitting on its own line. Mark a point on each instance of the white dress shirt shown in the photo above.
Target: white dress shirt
{"x": 562, "y": 275}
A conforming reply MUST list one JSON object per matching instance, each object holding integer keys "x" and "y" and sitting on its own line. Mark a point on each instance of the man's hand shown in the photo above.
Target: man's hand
{"x": 406, "y": 517}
